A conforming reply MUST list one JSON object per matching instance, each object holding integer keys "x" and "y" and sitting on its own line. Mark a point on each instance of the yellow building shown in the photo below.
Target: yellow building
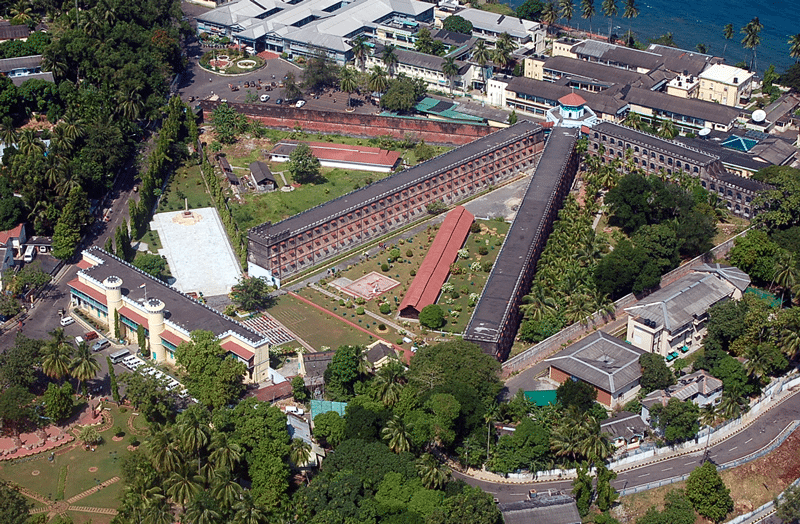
{"x": 726, "y": 85}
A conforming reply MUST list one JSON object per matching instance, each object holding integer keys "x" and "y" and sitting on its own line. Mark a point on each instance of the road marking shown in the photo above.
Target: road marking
{"x": 644, "y": 475}
{"x": 734, "y": 447}
{"x": 666, "y": 469}
{"x": 525, "y": 493}
{"x": 748, "y": 440}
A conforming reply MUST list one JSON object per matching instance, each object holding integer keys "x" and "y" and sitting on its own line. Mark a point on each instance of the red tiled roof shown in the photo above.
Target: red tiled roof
{"x": 84, "y": 264}
{"x": 172, "y": 338}
{"x": 434, "y": 269}
{"x": 87, "y": 290}
{"x": 572, "y": 99}
{"x": 232, "y": 347}
{"x": 134, "y": 316}
{"x": 5, "y": 236}
{"x": 344, "y": 153}
{"x": 273, "y": 392}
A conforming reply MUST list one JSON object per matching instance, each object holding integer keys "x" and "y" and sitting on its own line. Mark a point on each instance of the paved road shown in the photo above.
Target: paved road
{"x": 758, "y": 435}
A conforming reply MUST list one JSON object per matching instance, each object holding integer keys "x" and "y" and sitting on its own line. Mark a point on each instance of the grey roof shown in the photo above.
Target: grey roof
{"x": 261, "y": 173}
{"x": 493, "y": 309}
{"x": 616, "y": 54}
{"x": 699, "y": 382}
{"x": 496, "y": 23}
{"x": 541, "y": 509}
{"x": 603, "y": 102}
{"x": 743, "y": 182}
{"x": 423, "y": 61}
{"x": 594, "y": 71}
{"x": 782, "y": 107}
{"x": 379, "y": 351}
{"x": 700, "y": 109}
{"x": 20, "y": 62}
{"x": 624, "y": 425}
{"x": 19, "y": 80}
{"x": 679, "y": 303}
{"x": 680, "y": 60}
{"x": 601, "y": 360}
{"x": 316, "y": 363}
{"x": 673, "y": 148}
{"x": 180, "y": 309}
{"x": 13, "y": 32}
{"x": 362, "y": 197}
{"x": 450, "y": 37}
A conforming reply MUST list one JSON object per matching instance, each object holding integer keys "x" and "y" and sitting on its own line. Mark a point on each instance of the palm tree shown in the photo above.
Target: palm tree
{"x": 73, "y": 126}
{"x": 539, "y": 302}
{"x": 502, "y": 51}
{"x": 347, "y": 82}
{"x": 786, "y": 273}
{"x": 732, "y": 404}
{"x": 161, "y": 448}
{"x": 247, "y": 512}
{"x": 549, "y": 14}
{"x": 57, "y": 355}
{"x": 21, "y": 14}
{"x": 360, "y": 49}
{"x": 84, "y": 365}
{"x": 377, "y": 80}
{"x": 433, "y": 474}
{"x": 789, "y": 335}
{"x": 183, "y": 486}
{"x": 29, "y": 143}
{"x": 225, "y": 454}
{"x": 633, "y": 120}
{"x": 389, "y": 57}
{"x": 224, "y": 488}
{"x": 566, "y": 9}
{"x": 794, "y": 47}
{"x": 8, "y": 134}
{"x": 631, "y": 11}
{"x": 194, "y": 434}
{"x": 450, "y": 70}
{"x": 752, "y": 38}
{"x": 388, "y": 382}
{"x": 594, "y": 444}
{"x": 727, "y": 33}
{"x": 89, "y": 436}
{"x": 481, "y": 56}
{"x": 130, "y": 104}
{"x": 396, "y": 434}
{"x": 200, "y": 511}
{"x": 299, "y": 452}
{"x": 667, "y": 130}
{"x": 588, "y": 11}
{"x": 490, "y": 415}
{"x": 609, "y": 9}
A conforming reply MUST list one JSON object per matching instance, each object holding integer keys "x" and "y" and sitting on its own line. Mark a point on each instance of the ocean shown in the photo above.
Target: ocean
{"x": 702, "y": 21}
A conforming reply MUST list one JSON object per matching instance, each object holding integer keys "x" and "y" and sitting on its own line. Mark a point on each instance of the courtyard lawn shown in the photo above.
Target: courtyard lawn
{"x": 315, "y": 327}
{"x": 152, "y": 240}
{"x": 277, "y": 205}
{"x": 186, "y": 183}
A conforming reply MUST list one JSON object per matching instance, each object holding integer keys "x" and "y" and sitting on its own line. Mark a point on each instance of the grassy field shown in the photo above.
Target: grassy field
{"x": 187, "y": 183}
{"x": 315, "y": 327}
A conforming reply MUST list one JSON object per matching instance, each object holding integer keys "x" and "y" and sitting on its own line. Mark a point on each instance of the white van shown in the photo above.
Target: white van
{"x": 30, "y": 253}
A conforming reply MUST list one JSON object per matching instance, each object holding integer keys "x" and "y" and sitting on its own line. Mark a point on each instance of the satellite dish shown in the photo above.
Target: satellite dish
{"x": 704, "y": 132}
{"x": 759, "y": 115}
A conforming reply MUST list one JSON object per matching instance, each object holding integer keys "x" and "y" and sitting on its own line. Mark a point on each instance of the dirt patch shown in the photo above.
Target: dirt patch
{"x": 751, "y": 484}
{"x": 92, "y": 469}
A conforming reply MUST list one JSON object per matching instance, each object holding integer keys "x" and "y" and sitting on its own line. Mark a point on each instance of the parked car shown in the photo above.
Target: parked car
{"x": 66, "y": 321}
{"x": 90, "y": 335}
{"x": 100, "y": 345}
{"x": 300, "y": 103}
{"x": 264, "y": 98}
{"x": 79, "y": 340}
{"x": 279, "y": 101}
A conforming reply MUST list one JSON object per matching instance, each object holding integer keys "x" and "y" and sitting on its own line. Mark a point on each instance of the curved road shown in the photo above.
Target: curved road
{"x": 758, "y": 435}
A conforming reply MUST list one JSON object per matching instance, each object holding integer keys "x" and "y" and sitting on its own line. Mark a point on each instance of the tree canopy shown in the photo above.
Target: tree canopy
{"x": 708, "y": 493}
{"x": 678, "y": 420}
{"x": 457, "y": 24}
{"x": 214, "y": 378}
{"x": 303, "y": 165}
{"x": 655, "y": 373}
{"x": 252, "y": 294}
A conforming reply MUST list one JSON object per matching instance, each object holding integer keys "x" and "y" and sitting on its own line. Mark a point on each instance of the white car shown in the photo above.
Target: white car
{"x": 79, "y": 340}
{"x": 300, "y": 103}
{"x": 66, "y": 321}
{"x": 264, "y": 98}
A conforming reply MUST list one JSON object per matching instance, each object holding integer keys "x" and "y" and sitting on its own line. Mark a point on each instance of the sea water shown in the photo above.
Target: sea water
{"x": 693, "y": 22}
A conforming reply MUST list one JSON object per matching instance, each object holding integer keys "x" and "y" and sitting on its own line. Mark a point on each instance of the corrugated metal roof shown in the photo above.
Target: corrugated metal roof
{"x": 318, "y": 407}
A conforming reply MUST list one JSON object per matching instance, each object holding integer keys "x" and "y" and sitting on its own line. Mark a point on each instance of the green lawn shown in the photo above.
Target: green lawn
{"x": 186, "y": 183}
{"x": 316, "y": 327}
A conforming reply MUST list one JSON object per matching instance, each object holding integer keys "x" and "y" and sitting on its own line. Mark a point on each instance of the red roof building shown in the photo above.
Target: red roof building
{"x": 341, "y": 155}
{"x": 433, "y": 272}
{"x": 572, "y": 100}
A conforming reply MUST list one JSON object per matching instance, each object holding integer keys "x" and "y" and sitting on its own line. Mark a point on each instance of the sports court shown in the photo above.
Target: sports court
{"x": 198, "y": 252}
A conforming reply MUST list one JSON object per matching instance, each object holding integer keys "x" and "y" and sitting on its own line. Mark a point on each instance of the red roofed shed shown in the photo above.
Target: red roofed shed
{"x": 436, "y": 266}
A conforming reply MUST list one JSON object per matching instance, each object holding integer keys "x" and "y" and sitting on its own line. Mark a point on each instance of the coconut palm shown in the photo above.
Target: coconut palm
{"x": 21, "y": 14}
{"x": 786, "y": 275}
{"x": 388, "y": 382}
{"x": 360, "y": 49}
{"x": 794, "y": 47}
{"x": 73, "y": 126}
{"x": 450, "y": 70}
{"x": 594, "y": 444}
{"x": 481, "y": 55}
{"x": 247, "y": 512}
{"x": 490, "y": 416}
{"x": 299, "y": 452}
{"x": 631, "y": 11}
{"x": 225, "y": 490}
{"x": 84, "y": 365}
{"x": 8, "y": 134}
{"x": 727, "y": 34}
{"x": 549, "y": 14}
{"x": 194, "y": 435}
{"x": 788, "y": 338}
{"x": 161, "y": 449}
{"x": 202, "y": 511}
{"x": 633, "y": 120}
{"x": 396, "y": 434}
{"x": 389, "y": 58}
{"x": 57, "y": 355}
{"x": 565, "y": 439}
{"x": 347, "y": 81}
{"x": 609, "y": 9}
{"x": 539, "y": 303}
{"x": 378, "y": 82}
{"x": 501, "y": 55}
{"x": 129, "y": 104}
{"x": 433, "y": 474}
{"x": 225, "y": 454}
{"x": 157, "y": 512}
{"x": 183, "y": 486}
{"x": 89, "y": 436}
{"x": 588, "y": 11}
{"x": 29, "y": 143}
{"x": 566, "y": 9}
{"x": 752, "y": 38}
{"x": 667, "y": 130}
{"x": 732, "y": 404}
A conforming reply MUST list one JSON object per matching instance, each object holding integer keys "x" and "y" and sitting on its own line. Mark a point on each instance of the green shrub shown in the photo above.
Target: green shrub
{"x": 431, "y": 316}
{"x": 413, "y": 272}
{"x": 454, "y": 295}
{"x": 386, "y": 308}
{"x": 359, "y": 310}
{"x": 409, "y": 254}
{"x": 483, "y": 250}
{"x": 384, "y": 267}
{"x": 382, "y": 327}
{"x": 118, "y": 432}
{"x": 475, "y": 228}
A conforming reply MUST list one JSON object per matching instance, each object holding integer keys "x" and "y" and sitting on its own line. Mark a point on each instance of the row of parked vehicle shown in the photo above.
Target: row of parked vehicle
{"x": 134, "y": 363}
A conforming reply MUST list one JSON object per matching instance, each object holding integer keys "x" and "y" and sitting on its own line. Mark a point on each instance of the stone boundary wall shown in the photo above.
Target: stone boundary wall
{"x": 570, "y": 334}
{"x": 357, "y": 125}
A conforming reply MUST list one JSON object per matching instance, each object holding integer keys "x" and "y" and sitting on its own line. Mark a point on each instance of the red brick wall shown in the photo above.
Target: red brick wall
{"x": 368, "y": 126}
{"x": 603, "y": 397}
{"x": 558, "y": 375}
